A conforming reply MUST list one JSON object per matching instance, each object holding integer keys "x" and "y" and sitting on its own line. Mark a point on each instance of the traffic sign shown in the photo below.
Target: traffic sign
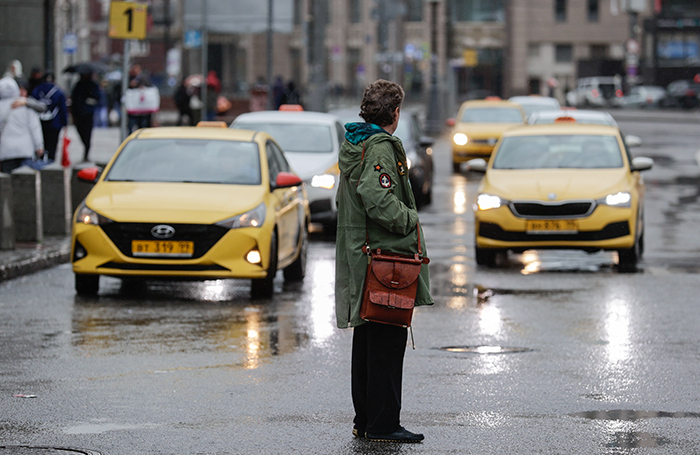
{"x": 70, "y": 43}
{"x": 127, "y": 20}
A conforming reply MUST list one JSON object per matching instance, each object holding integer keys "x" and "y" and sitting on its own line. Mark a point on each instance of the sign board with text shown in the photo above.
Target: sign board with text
{"x": 127, "y": 20}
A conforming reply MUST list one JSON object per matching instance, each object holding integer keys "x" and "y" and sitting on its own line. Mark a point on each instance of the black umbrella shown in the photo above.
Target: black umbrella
{"x": 87, "y": 68}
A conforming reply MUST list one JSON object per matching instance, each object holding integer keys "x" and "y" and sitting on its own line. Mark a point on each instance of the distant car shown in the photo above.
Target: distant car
{"x": 583, "y": 117}
{"x": 534, "y": 103}
{"x": 643, "y": 96}
{"x": 192, "y": 203}
{"x": 479, "y": 125}
{"x": 418, "y": 150}
{"x": 568, "y": 186}
{"x": 595, "y": 92}
{"x": 311, "y": 142}
{"x": 683, "y": 93}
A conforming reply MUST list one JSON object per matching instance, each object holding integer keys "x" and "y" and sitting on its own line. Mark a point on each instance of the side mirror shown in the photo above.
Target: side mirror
{"x": 89, "y": 174}
{"x": 450, "y": 122}
{"x": 287, "y": 180}
{"x": 477, "y": 165}
{"x": 642, "y": 163}
{"x": 426, "y": 141}
{"x": 633, "y": 141}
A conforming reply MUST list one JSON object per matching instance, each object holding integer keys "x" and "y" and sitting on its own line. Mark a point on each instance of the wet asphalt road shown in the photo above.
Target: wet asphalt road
{"x": 551, "y": 353}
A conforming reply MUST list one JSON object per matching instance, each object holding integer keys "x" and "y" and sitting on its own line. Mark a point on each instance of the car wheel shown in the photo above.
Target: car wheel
{"x": 264, "y": 287}
{"x": 87, "y": 284}
{"x": 456, "y": 167}
{"x": 485, "y": 256}
{"x": 296, "y": 271}
{"x": 628, "y": 257}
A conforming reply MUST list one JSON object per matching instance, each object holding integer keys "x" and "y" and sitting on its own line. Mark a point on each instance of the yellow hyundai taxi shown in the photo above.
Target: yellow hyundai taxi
{"x": 478, "y": 127}
{"x": 561, "y": 186}
{"x": 192, "y": 203}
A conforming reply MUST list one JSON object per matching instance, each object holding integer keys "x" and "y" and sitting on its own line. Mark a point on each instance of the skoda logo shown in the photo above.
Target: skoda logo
{"x": 552, "y": 196}
{"x": 163, "y": 231}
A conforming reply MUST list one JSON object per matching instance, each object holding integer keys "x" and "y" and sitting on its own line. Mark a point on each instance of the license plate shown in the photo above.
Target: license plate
{"x": 167, "y": 248}
{"x": 551, "y": 226}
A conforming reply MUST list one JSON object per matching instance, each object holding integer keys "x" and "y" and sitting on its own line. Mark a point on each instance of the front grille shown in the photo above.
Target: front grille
{"x": 552, "y": 210}
{"x": 611, "y": 231}
{"x": 204, "y": 236}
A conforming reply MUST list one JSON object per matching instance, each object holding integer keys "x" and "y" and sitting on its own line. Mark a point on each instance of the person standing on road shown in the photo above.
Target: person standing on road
{"x": 56, "y": 116}
{"x": 375, "y": 201}
{"x": 84, "y": 100}
{"x": 20, "y": 131}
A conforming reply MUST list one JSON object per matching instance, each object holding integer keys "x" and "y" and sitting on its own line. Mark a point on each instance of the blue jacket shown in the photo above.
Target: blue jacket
{"x": 57, "y": 112}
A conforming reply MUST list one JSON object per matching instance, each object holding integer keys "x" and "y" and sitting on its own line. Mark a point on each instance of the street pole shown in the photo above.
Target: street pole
{"x": 205, "y": 59}
{"x": 270, "y": 35}
{"x": 433, "y": 124}
{"x": 125, "y": 87}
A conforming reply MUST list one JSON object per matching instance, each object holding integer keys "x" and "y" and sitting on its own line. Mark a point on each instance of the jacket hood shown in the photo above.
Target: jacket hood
{"x": 350, "y": 155}
{"x": 8, "y": 88}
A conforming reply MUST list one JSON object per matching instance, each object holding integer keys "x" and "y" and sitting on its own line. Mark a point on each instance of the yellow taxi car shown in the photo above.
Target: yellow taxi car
{"x": 192, "y": 203}
{"x": 478, "y": 127}
{"x": 561, "y": 186}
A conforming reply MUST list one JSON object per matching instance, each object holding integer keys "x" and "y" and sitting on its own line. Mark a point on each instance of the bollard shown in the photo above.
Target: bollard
{"x": 7, "y": 228}
{"x": 79, "y": 190}
{"x": 26, "y": 201}
{"x": 56, "y": 199}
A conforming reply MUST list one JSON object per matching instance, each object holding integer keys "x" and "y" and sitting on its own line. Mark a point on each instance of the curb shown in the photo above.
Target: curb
{"x": 33, "y": 262}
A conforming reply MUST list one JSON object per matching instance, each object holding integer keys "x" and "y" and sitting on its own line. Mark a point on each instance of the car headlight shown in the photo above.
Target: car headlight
{"x": 460, "y": 139}
{"x": 86, "y": 215}
{"x": 251, "y": 218}
{"x": 326, "y": 181}
{"x": 621, "y": 199}
{"x": 488, "y": 202}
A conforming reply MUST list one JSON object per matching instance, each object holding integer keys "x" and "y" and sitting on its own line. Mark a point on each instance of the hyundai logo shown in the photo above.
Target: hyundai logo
{"x": 163, "y": 231}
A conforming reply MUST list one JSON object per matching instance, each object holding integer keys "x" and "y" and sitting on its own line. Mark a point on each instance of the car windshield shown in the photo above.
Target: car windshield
{"x": 187, "y": 160}
{"x": 296, "y": 137}
{"x": 491, "y": 115}
{"x": 558, "y": 151}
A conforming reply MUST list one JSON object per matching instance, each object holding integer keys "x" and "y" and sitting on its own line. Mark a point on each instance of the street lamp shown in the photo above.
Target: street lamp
{"x": 433, "y": 124}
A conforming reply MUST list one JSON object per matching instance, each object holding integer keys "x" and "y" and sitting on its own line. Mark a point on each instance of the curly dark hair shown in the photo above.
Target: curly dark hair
{"x": 380, "y": 100}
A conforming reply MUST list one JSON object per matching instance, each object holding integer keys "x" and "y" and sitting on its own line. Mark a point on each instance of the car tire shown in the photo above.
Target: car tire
{"x": 628, "y": 257}
{"x": 485, "y": 256}
{"x": 264, "y": 287}
{"x": 456, "y": 167}
{"x": 87, "y": 284}
{"x": 296, "y": 271}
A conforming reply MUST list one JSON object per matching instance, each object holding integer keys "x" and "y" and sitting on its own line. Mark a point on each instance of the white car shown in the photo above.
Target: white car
{"x": 595, "y": 92}
{"x": 311, "y": 143}
{"x": 534, "y": 103}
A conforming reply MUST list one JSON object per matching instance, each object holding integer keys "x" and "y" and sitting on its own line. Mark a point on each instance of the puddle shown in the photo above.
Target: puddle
{"x": 99, "y": 428}
{"x": 485, "y": 350}
{"x": 636, "y": 440}
{"x": 628, "y": 415}
{"x": 29, "y": 450}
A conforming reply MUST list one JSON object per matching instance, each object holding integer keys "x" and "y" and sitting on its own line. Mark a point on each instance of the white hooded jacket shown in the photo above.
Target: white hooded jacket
{"x": 20, "y": 129}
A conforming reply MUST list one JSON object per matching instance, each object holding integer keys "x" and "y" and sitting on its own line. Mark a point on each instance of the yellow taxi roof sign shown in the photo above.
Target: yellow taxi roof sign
{"x": 210, "y": 124}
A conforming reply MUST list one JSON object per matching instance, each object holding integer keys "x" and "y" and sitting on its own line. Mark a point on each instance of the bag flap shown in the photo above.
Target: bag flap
{"x": 395, "y": 275}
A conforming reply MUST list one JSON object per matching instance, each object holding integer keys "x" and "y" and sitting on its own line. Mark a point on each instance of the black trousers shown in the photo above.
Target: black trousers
{"x": 50, "y": 139}
{"x": 83, "y": 123}
{"x": 377, "y": 369}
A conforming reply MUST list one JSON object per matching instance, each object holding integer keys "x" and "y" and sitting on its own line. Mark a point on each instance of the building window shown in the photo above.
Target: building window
{"x": 479, "y": 10}
{"x": 297, "y": 12}
{"x": 415, "y": 10}
{"x": 355, "y": 12}
{"x": 560, "y": 10}
{"x": 533, "y": 50}
{"x": 563, "y": 53}
{"x": 593, "y": 7}
{"x": 599, "y": 51}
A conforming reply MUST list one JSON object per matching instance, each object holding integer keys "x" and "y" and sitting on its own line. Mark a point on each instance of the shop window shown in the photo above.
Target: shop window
{"x": 479, "y": 10}
{"x": 414, "y": 11}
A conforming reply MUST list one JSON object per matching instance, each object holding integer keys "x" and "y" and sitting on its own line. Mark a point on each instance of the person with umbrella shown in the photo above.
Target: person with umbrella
{"x": 85, "y": 98}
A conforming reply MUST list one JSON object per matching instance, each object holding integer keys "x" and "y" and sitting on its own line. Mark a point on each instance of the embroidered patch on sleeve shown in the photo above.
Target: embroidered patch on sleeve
{"x": 377, "y": 168}
{"x": 385, "y": 181}
{"x": 402, "y": 169}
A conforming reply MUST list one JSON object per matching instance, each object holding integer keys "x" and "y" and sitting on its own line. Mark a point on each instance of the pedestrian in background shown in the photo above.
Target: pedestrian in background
{"x": 375, "y": 203}
{"x": 85, "y": 98}
{"x": 182, "y": 102}
{"x": 21, "y": 140}
{"x": 56, "y": 116}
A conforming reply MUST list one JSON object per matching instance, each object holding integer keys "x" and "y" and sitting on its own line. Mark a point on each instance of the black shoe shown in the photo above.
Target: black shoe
{"x": 400, "y": 435}
{"x": 358, "y": 433}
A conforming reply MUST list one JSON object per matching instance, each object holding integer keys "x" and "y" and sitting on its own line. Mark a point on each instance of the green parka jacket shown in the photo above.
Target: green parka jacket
{"x": 374, "y": 199}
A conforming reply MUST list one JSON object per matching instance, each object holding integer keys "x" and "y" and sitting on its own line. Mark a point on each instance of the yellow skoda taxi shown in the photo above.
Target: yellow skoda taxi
{"x": 478, "y": 127}
{"x": 192, "y": 203}
{"x": 561, "y": 186}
